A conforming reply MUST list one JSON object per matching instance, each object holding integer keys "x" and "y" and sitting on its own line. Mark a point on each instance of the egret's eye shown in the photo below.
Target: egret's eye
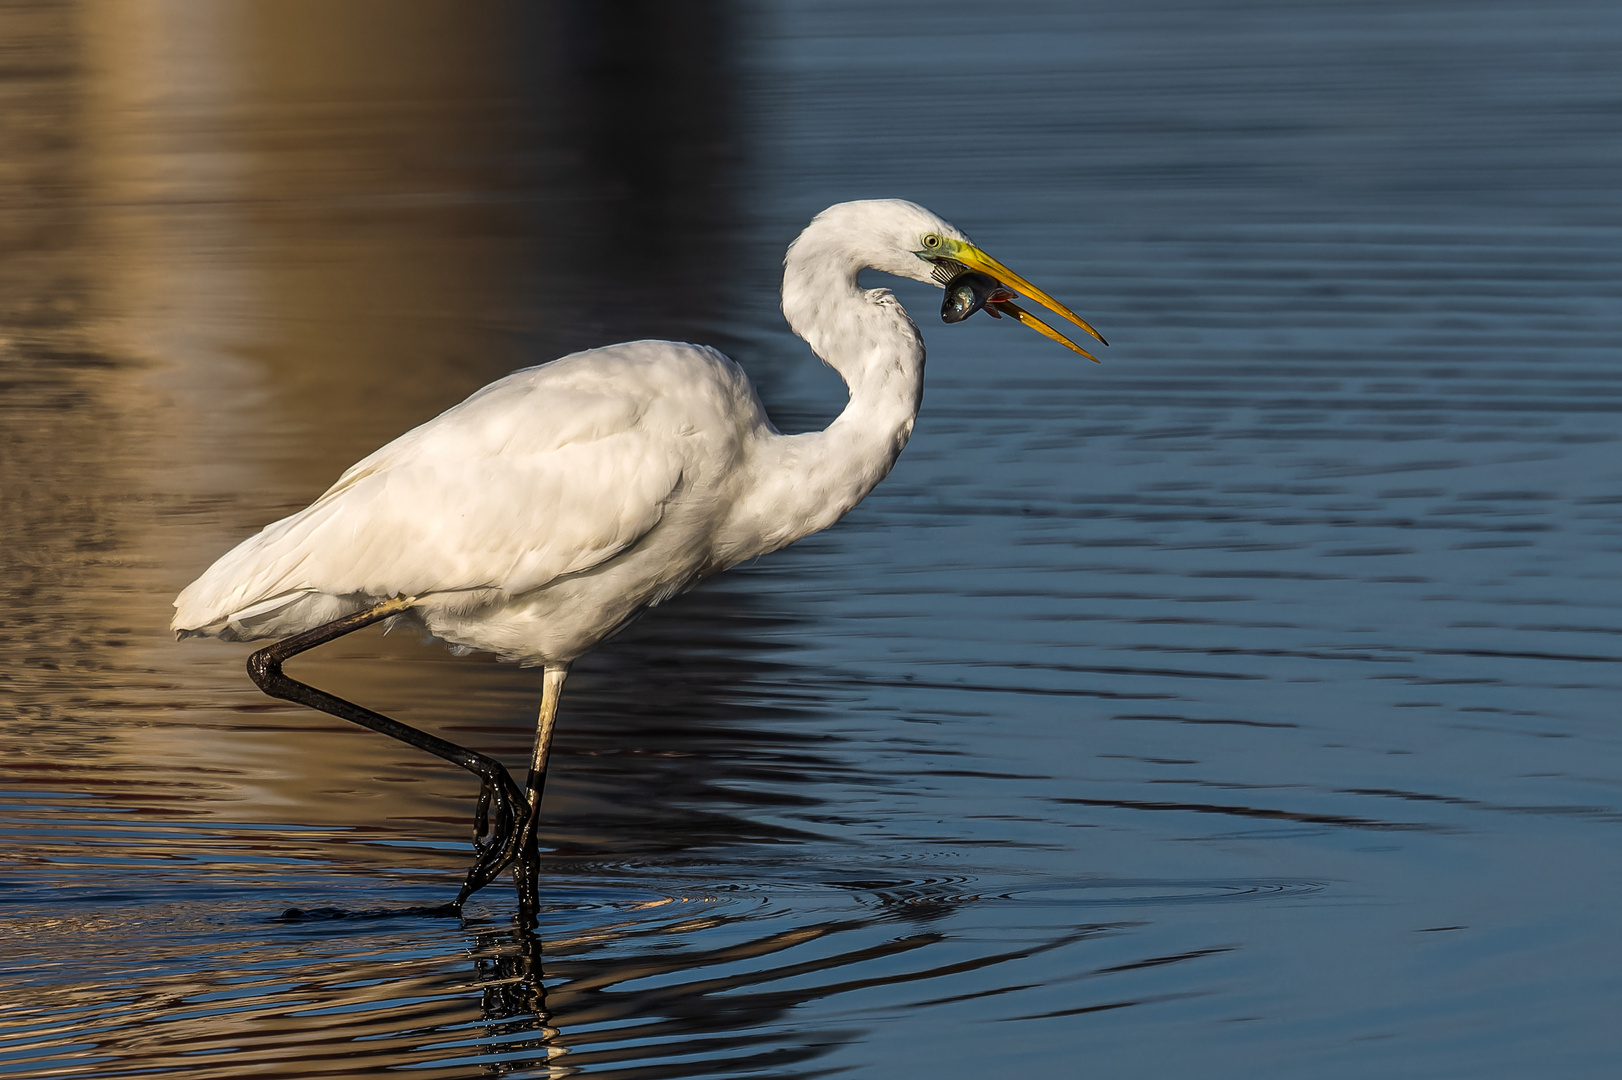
{"x": 931, "y": 241}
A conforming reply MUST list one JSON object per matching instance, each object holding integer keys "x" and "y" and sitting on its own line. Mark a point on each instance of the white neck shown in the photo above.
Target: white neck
{"x": 807, "y": 482}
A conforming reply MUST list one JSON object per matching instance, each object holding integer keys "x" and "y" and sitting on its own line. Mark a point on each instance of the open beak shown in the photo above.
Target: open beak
{"x": 1008, "y": 307}
{"x": 972, "y": 257}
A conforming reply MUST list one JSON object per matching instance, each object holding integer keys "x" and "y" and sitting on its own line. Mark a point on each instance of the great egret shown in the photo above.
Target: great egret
{"x": 546, "y": 511}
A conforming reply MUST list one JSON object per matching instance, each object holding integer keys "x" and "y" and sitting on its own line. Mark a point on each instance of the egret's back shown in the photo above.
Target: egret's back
{"x": 552, "y": 472}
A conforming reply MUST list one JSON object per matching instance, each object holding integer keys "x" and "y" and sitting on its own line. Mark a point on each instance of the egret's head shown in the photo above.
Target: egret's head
{"x": 902, "y": 238}
{"x": 879, "y": 233}
{"x": 974, "y": 280}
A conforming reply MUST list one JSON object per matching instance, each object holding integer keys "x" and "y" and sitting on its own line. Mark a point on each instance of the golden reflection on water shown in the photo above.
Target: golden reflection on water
{"x": 251, "y": 241}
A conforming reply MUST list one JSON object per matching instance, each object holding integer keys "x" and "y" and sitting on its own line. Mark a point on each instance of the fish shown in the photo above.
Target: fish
{"x": 970, "y": 291}
{"x": 967, "y": 291}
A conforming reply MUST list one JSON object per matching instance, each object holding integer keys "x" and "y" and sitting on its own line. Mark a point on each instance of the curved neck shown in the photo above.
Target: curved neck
{"x": 814, "y": 479}
{"x": 863, "y": 334}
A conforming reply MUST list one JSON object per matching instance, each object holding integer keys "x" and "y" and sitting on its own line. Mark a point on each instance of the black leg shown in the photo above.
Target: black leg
{"x": 527, "y": 867}
{"x": 496, "y": 847}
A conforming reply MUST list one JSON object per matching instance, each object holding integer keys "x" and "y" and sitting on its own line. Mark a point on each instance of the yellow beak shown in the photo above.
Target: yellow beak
{"x": 1008, "y": 307}
{"x": 975, "y": 259}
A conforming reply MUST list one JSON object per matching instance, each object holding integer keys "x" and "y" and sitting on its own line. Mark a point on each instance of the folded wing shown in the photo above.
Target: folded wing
{"x": 536, "y": 476}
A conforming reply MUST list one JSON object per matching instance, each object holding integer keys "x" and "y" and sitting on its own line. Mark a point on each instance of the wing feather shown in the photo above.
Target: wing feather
{"x": 551, "y": 471}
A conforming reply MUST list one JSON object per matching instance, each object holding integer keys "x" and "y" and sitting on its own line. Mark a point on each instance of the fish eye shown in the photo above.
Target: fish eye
{"x": 931, "y": 240}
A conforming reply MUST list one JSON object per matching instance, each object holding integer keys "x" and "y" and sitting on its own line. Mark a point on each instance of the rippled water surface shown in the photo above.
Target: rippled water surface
{"x": 1243, "y": 706}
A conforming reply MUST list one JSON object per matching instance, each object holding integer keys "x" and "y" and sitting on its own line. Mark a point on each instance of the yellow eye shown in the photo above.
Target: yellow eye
{"x": 932, "y": 241}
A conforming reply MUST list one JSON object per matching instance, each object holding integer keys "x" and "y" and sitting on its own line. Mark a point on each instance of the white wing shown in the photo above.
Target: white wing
{"x": 550, "y": 471}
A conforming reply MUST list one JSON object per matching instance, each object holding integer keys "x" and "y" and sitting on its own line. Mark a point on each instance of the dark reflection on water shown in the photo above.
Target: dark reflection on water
{"x": 1241, "y": 706}
{"x": 617, "y": 976}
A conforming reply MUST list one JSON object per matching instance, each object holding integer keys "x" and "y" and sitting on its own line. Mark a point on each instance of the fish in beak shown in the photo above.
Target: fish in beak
{"x": 974, "y": 280}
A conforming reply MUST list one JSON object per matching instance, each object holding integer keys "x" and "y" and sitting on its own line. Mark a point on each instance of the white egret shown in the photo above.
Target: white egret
{"x": 542, "y": 514}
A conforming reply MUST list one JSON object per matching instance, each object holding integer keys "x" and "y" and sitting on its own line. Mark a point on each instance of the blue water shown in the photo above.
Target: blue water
{"x": 1244, "y": 705}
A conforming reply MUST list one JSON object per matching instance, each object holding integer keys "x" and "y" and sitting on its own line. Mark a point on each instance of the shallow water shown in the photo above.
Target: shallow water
{"x": 1244, "y": 705}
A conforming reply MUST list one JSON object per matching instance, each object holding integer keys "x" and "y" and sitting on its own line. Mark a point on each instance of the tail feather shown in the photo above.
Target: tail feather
{"x": 277, "y": 616}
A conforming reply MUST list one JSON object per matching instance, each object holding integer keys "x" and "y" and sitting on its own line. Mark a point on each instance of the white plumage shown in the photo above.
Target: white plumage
{"x": 544, "y": 512}
{"x": 548, "y": 474}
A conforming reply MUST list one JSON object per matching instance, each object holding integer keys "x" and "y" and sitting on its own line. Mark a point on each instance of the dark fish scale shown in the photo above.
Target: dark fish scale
{"x": 970, "y": 291}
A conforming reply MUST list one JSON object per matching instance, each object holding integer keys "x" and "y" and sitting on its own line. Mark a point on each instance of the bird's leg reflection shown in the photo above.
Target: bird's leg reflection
{"x": 507, "y": 967}
{"x": 527, "y": 873}
{"x": 499, "y": 792}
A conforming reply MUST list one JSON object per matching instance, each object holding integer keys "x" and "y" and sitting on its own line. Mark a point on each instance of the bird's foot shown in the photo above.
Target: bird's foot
{"x": 500, "y": 824}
